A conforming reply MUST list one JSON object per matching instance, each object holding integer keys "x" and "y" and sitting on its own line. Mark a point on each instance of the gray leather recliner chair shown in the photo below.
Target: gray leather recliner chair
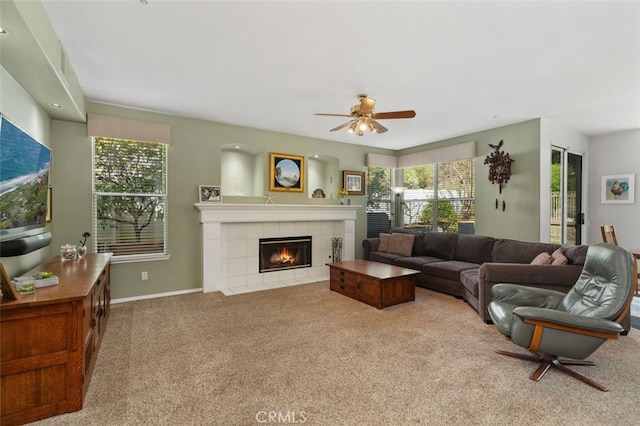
{"x": 573, "y": 325}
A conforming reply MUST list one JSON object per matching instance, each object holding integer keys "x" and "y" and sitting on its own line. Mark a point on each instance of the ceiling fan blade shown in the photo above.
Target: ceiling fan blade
{"x": 334, "y": 115}
{"x": 394, "y": 114}
{"x": 379, "y": 127}
{"x": 366, "y": 105}
{"x": 342, "y": 126}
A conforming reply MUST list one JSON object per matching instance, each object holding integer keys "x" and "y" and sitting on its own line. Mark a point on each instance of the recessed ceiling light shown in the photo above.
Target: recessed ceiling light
{"x": 237, "y": 147}
{"x": 55, "y": 105}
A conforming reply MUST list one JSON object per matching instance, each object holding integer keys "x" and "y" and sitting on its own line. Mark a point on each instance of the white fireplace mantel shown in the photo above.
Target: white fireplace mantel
{"x": 214, "y": 216}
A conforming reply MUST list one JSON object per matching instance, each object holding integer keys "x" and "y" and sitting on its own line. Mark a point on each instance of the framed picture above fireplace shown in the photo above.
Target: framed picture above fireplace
{"x": 286, "y": 172}
{"x": 353, "y": 182}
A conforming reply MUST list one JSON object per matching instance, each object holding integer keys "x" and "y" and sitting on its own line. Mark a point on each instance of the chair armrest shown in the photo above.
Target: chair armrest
{"x": 565, "y": 319}
{"x": 559, "y": 278}
{"x": 526, "y": 296}
{"x": 370, "y": 245}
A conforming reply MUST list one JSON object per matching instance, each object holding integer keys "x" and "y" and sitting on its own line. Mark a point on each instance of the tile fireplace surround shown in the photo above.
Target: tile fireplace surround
{"x": 230, "y": 234}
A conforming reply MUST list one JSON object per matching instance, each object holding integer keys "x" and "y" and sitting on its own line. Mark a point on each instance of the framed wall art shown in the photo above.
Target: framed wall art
{"x": 210, "y": 193}
{"x": 286, "y": 173}
{"x": 618, "y": 189}
{"x": 353, "y": 182}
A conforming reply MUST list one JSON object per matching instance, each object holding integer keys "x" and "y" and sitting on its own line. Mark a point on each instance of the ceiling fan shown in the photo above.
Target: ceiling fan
{"x": 364, "y": 117}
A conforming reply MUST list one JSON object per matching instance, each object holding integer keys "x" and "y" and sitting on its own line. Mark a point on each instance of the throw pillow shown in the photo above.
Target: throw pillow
{"x": 543, "y": 258}
{"x": 559, "y": 258}
{"x": 402, "y": 244}
{"x": 385, "y": 241}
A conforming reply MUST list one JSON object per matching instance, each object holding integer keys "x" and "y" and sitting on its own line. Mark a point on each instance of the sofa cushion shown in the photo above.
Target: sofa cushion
{"x": 398, "y": 243}
{"x": 543, "y": 258}
{"x": 382, "y": 257}
{"x": 385, "y": 242}
{"x": 449, "y": 270}
{"x": 474, "y": 248}
{"x": 470, "y": 279}
{"x": 576, "y": 255}
{"x": 437, "y": 244}
{"x": 558, "y": 258}
{"x": 412, "y": 231}
{"x": 415, "y": 262}
{"x": 513, "y": 251}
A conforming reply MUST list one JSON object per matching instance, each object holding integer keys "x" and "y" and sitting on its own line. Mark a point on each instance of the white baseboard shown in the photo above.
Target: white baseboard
{"x": 156, "y": 295}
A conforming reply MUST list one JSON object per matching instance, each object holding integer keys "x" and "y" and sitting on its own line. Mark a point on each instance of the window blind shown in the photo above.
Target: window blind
{"x": 104, "y": 126}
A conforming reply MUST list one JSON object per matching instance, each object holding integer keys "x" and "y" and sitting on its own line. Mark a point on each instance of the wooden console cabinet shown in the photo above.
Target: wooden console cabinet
{"x": 49, "y": 340}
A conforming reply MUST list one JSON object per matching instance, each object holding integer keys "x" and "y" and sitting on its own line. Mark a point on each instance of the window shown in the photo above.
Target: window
{"x": 439, "y": 196}
{"x": 378, "y": 200}
{"x": 130, "y": 198}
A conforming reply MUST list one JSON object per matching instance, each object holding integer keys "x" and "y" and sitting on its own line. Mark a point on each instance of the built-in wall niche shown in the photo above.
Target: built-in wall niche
{"x": 242, "y": 171}
{"x": 323, "y": 175}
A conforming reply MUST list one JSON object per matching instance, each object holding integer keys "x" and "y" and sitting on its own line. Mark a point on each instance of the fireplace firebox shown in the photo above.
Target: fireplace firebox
{"x": 282, "y": 253}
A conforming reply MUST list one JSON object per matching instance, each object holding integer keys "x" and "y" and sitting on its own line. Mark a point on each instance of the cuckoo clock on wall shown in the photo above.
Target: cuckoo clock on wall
{"x": 499, "y": 168}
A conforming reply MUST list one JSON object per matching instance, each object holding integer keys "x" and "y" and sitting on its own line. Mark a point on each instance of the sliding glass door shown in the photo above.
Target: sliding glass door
{"x": 567, "y": 216}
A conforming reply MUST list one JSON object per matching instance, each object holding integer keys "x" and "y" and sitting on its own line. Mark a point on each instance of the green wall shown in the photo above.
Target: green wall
{"x": 522, "y": 193}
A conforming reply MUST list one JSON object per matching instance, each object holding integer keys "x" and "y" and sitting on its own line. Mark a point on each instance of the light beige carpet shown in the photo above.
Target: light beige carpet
{"x": 311, "y": 356}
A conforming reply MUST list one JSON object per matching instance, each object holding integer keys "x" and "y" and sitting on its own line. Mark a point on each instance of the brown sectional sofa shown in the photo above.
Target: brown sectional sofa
{"x": 467, "y": 266}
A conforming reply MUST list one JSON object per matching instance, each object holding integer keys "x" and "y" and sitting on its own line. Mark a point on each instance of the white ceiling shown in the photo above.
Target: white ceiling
{"x": 463, "y": 66}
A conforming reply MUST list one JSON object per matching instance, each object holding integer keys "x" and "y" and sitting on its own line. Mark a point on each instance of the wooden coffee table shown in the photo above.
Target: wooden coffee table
{"x": 374, "y": 283}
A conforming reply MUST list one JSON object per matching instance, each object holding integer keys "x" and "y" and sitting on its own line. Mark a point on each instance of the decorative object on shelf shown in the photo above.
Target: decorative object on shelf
{"x": 353, "y": 182}
{"x": 331, "y": 187}
{"x": 239, "y": 187}
{"x": 341, "y": 194}
{"x": 82, "y": 249}
{"x": 41, "y": 279}
{"x": 499, "y": 168}
{"x": 618, "y": 189}
{"x": 286, "y": 173}
{"x": 25, "y": 285}
{"x": 68, "y": 252}
{"x": 8, "y": 290}
{"x": 336, "y": 249}
{"x": 318, "y": 193}
{"x": 210, "y": 193}
{"x": 269, "y": 198}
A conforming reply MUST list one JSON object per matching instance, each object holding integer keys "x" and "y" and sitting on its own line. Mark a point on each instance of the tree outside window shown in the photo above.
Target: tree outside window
{"x": 129, "y": 197}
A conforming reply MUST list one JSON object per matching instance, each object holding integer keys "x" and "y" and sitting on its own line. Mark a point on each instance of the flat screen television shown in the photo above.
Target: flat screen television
{"x": 24, "y": 181}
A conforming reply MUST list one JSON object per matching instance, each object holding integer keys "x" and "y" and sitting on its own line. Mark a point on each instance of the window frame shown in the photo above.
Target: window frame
{"x": 141, "y": 257}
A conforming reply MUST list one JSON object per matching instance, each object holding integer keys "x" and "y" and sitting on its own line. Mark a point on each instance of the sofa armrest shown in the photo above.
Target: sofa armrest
{"x": 370, "y": 245}
{"x": 552, "y": 277}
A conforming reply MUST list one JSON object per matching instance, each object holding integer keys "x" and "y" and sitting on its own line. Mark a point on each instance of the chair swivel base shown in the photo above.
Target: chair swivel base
{"x": 547, "y": 361}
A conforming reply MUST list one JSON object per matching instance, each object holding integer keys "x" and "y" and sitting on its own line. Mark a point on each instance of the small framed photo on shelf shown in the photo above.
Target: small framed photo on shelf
{"x": 209, "y": 193}
{"x": 618, "y": 189}
{"x": 353, "y": 182}
{"x": 286, "y": 173}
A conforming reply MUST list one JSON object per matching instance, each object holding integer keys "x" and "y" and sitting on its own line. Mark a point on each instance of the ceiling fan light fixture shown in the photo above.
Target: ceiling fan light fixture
{"x": 363, "y": 117}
